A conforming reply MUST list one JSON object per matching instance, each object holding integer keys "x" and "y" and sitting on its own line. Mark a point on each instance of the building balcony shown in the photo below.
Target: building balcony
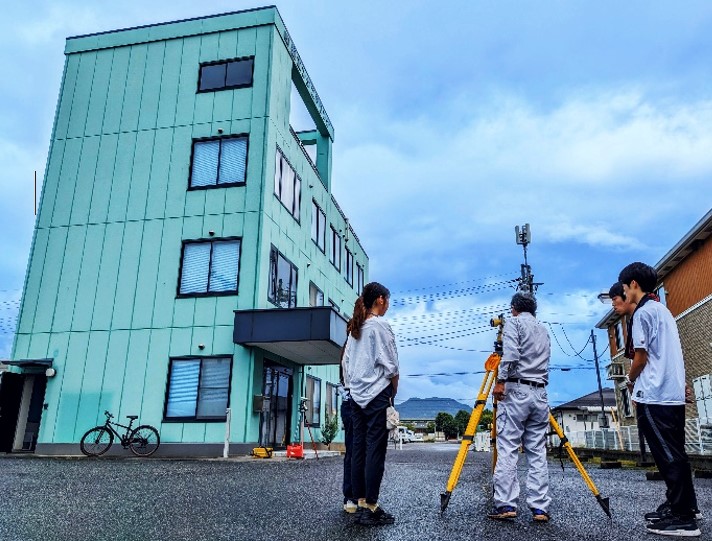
{"x": 616, "y": 370}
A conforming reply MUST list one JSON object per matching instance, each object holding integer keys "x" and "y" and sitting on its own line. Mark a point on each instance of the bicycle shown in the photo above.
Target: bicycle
{"x": 142, "y": 440}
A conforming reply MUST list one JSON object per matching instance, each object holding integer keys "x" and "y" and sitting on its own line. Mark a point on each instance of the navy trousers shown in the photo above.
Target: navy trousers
{"x": 347, "y": 420}
{"x": 664, "y": 430}
{"x": 370, "y": 441}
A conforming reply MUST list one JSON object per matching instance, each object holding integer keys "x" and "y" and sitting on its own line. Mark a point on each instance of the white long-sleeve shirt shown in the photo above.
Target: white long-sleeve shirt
{"x": 371, "y": 361}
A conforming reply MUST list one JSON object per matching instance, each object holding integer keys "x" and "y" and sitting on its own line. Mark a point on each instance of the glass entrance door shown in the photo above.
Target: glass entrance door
{"x": 277, "y": 391}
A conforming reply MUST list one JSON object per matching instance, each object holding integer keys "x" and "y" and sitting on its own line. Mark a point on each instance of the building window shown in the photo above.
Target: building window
{"x": 316, "y": 295}
{"x": 335, "y": 254}
{"x": 287, "y": 185}
{"x": 318, "y": 227}
{"x": 618, "y": 330}
{"x": 349, "y": 268}
{"x": 218, "y": 162}
{"x": 359, "y": 279}
{"x": 332, "y": 399}
{"x": 625, "y": 402}
{"x": 313, "y": 394}
{"x": 662, "y": 294}
{"x": 209, "y": 267}
{"x": 226, "y": 74}
{"x": 198, "y": 389}
{"x": 282, "y": 280}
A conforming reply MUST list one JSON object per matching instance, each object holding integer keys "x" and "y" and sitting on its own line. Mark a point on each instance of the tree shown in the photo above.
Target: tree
{"x": 461, "y": 420}
{"x": 486, "y": 420}
{"x": 440, "y": 419}
{"x": 329, "y": 430}
{"x": 430, "y": 427}
{"x": 449, "y": 427}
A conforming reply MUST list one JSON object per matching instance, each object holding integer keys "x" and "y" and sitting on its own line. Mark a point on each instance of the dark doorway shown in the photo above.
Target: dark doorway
{"x": 277, "y": 413}
{"x": 34, "y": 413}
{"x": 10, "y": 397}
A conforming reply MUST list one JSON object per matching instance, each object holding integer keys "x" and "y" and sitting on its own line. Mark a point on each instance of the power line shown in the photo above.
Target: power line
{"x": 451, "y": 284}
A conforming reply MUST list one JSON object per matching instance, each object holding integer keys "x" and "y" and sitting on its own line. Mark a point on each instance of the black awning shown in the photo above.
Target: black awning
{"x": 302, "y": 335}
{"x": 30, "y": 363}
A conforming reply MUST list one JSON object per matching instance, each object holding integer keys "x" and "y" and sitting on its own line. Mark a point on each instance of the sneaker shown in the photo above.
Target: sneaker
{"x": 675, "y": 526}
{"x": 503, "y": 512}
{"x": 660, "y": 513}
{"x": 540, "y": 516}
{"x": 664, "y": 510}
{"x": 377, "y": 517}
{"x": 350, "y": 506}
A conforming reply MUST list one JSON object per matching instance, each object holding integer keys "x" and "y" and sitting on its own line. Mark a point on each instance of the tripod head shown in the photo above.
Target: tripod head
{"x": 498, "y": 322}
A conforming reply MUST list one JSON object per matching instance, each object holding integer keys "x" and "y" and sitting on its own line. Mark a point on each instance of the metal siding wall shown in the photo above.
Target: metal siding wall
{"x": 101, "y": 289}
{"x": 691, "y": 280}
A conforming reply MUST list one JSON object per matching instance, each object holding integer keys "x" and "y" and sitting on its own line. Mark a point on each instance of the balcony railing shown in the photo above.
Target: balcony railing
{"x": 616, "y": 370}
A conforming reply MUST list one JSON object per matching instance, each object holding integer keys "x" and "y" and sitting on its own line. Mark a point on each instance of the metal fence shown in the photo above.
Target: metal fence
{"x": 698, "y": 438}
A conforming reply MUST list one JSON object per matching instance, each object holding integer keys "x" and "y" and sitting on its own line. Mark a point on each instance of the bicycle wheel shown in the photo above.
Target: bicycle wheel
{"x": 144, "y": 441}
{"x": 96, "y": 441}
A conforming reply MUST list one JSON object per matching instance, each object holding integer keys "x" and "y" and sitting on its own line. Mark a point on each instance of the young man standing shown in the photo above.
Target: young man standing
{"x": 522, "y": 412}
{"x": 657, "y": 382}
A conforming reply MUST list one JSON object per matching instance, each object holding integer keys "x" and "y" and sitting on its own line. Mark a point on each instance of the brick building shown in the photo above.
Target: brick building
{"x": 685, "y": 286}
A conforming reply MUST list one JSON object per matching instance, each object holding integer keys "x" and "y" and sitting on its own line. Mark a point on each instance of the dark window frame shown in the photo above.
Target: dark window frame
{"x": 323, "y": 298}
{"x": 320, "y": 235}
{"x": 334, "y": 257}
{"x": 195, "y": 419}
{"x": 349, "y": 268}
{"x": 309, "y": 418}
{"x": 209, "y": 293}
{"x": 360, "y": 277}
{"x": 245, "y": 136}
{"x": 332, "y": 395}
{"x": 226, "y": 62}
{"x": 296, "y": 211}
{"x": 293, "y": 270}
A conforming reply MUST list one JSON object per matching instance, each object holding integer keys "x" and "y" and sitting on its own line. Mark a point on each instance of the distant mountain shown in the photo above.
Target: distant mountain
{"x": 426, "y": 409}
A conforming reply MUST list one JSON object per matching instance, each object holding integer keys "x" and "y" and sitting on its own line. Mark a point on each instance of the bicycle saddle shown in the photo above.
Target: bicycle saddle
{"x": 132, "y": 417}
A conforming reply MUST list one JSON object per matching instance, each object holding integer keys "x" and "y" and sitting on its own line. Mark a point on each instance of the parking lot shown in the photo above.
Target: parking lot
{"x": 52, "y": 499}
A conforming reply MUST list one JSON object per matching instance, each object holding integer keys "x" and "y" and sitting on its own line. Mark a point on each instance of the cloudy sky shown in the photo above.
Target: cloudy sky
{"x": 592, "y": 121}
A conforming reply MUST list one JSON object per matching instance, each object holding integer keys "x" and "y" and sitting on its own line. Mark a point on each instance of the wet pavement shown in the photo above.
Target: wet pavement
{"x": 52, "y": 499}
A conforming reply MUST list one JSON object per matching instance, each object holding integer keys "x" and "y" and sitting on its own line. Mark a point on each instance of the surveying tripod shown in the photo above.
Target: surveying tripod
{"x": 491, "y": 369}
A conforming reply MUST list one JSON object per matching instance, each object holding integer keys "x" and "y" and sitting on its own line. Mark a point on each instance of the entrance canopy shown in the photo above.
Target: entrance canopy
{"x": 29, "y": 364}
{"x": 302, "y": 335}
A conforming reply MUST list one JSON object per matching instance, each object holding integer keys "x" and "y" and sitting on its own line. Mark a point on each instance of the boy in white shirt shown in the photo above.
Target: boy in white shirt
{"x": 657, "y": 382}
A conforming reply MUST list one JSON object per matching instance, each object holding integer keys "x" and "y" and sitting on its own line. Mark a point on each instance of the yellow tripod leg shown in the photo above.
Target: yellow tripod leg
{"x": 485, "y": 389}
{"x": 603, "y": 502}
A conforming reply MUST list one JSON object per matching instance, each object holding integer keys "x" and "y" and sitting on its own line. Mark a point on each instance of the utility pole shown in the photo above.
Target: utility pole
{"x": 604, "y": 419}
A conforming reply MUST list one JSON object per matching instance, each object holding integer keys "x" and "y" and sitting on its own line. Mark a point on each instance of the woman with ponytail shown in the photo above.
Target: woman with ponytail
{"x": 370, "y": 364}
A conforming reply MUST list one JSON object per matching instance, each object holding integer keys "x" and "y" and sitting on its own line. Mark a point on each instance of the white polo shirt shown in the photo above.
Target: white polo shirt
{"x": 662, "y": 381}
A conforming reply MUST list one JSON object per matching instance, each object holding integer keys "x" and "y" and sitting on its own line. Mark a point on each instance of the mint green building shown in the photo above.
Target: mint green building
{"x": 188, "y": 255}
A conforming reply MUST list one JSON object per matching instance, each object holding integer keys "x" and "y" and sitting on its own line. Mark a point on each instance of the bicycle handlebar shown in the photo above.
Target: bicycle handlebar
{"x": 108, "y": 415}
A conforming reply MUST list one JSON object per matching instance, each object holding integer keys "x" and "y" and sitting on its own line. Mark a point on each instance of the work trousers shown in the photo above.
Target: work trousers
{"x": 370, "y": 441}
{"x": 522, "y": 420}
{"x": 347, "y": 421}
{"x": 664, "y": 430}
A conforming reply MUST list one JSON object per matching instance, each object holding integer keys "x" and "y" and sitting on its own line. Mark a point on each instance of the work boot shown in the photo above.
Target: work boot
{"x": 540, "y": 516}
{"x": 503, "y": 512}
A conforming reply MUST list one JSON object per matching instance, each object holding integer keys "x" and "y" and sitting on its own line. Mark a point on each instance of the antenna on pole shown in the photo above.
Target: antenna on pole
{"x": 526, "y": 280}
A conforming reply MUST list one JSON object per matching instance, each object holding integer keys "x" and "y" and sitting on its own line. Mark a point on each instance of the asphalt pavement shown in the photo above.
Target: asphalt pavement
{"x": 57, "y": 499}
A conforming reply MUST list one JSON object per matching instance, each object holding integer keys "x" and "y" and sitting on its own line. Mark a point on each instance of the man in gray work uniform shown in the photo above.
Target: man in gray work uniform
{"x": 522, "y": 412}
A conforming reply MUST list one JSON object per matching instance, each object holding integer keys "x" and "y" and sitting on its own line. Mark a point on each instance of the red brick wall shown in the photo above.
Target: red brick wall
{"x": 691, "y": 281}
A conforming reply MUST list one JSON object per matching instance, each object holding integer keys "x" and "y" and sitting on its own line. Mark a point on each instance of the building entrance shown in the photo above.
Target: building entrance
{"x": 21, "y": 406}
{"x": 277, "y": 409}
